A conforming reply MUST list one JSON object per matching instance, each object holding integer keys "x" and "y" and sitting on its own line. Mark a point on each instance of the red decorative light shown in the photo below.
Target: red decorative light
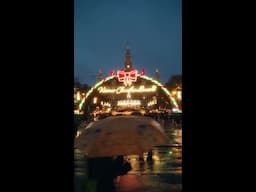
{"x": 127, "y": 77}
{"x": 112, "y": 73}
{"x": 142, "y": 72}
{"x": 131, "y": 75}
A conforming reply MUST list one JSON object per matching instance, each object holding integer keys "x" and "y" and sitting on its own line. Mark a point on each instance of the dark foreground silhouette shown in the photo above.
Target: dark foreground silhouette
{"x": 103, "y": 171}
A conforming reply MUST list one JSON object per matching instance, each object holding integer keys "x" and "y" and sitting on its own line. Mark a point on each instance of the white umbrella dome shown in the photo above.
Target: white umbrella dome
{"x": 120, "y": 135}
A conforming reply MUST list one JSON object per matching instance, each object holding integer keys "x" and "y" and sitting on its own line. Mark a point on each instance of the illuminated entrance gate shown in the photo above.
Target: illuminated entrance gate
{"x": 127, "y": 88}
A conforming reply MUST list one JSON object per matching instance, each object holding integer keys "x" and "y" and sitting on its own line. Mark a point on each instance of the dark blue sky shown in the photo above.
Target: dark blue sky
{"x": 151, "y": 27}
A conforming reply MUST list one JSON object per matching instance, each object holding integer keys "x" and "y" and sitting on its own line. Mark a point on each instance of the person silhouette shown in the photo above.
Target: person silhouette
{"x": 150, "y": 156}
{"x": 102, "y": 171}
{"x": 122, "y": 166}
{"x": 105, "y": 170}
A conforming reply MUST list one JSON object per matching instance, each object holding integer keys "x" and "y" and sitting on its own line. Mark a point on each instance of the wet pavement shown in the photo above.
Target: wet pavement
{"x": 147, "y": 183}
{"x": 162, "y": 174}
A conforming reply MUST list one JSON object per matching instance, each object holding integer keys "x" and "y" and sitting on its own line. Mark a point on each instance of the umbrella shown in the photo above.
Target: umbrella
{"x": 120, "y": 135}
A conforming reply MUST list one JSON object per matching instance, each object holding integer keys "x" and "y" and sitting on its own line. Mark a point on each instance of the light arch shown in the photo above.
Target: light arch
{"x": 97, "y": 85}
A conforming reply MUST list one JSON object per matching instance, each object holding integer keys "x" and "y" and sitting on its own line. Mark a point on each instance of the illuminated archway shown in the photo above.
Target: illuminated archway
{"x": 97, "y": 85}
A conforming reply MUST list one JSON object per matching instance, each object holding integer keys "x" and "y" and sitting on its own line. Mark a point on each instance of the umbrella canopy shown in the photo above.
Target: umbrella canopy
{"x": 120, "y": 135}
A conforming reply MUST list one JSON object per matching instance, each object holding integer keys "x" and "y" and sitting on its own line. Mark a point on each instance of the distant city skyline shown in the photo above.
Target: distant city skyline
{"x": 102, "y": 29}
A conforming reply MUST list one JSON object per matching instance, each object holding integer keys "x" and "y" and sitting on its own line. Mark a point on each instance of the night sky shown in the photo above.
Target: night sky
{"x": 151, "y": 27}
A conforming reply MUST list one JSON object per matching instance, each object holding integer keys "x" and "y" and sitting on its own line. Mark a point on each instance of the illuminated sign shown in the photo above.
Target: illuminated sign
{"x": 123, "y": 89}
{"x": 127, "y": 77}
{"x": 128, "y": 102}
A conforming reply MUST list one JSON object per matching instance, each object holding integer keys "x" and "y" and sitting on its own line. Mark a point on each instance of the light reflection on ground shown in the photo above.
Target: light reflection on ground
{"x": 164, "y": 171}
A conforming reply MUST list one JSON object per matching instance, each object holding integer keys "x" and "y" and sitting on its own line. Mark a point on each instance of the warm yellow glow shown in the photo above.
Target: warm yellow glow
{"x": 128, "y": 95}
{"x": 105, "y": 104}
{"x": 95, "y": 100}
{"x": 152, "y": 102}
{"x": 174, "y": 92}
{"x": 179, "y": 95}
{"x": 78, "y": 133}
{"x": 123, "y": 89}
{"x": 78, "y": 96}
{"x": 128, "y": 102}
{"x": 76, "y": 112}
{"x": 156, "y": 158}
